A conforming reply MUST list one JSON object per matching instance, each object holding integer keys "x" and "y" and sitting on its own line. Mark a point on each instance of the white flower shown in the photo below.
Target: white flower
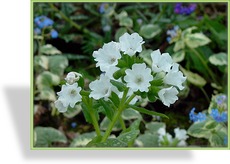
{"x": 60, "y": 106}
{"x": 70, "y": 94}
{"x": 107, "y": 56}
{"x": 138, "y": 77}
{"x": 72, "y": 77}
{"x": 102, "y": 88}
{"x": 175, "y": 77}
{"x": 130, "y": 44}
{"x": 180, "y": 134}
{"x": 168, "y": 95}
{"x": 109, "y": 73}
{"x": 161, "y": 131}
{"x": 161, "y": 62}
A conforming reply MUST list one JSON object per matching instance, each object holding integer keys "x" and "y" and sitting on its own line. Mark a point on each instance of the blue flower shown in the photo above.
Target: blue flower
{"x": 102, "y": 8}
{"x": 54, "y": 33}
{"x": 37, "y": 31}
{"x": 172, "y": 33}
{"x": 220, "y": 99}
{"x": 73, "y": 124}
{"x": 199, "y": 117}
{"x": 184, "y": 10}
{"x": 43, "y": 21}
{"x": 219, "y": 117}
{"x": 225, "y": 140}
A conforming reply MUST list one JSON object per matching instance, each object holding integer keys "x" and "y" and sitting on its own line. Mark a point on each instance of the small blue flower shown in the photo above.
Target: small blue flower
{"x": 199, "y": 117}
{"x": 220, "y": 99}
{"x": 54, "y": 33}
{"x": 37, "y": 31}
{"x": 225, "y": 140}
{"x": 184, "y": 10}
{"x": 172, "y": 33}
{"x": 102, "y": 8}
{"x": 219, "y": 117}
{"x": 43, "y": 21}
{"x": 73, "y": 124}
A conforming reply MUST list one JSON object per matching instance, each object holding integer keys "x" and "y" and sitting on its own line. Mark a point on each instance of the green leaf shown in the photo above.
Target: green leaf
{"x": 129, "y": 114}
{"x": 41, "y": 61}
{"x": 48, "y": 49}
{"x": 128, "y": 137}
{"x": 112, "y": 142}
{"x": 86, "y": 113}
{"x": 45, "y": 79}
{"x": 105, "y": 123}
{"x": 153, "y": 127}
{"x": 197, "y": 130}
{"x": 47, "y": 93}
{"x": 115, "y": 99}
{"x": 149, "y": 31}
{"x": 72, "y": 112}
{"x": 211, "y": 124}
{"x": 119, "y": 33}
{"x": 219, "y": 59}
{"x": 145, "y": 111}
{"x": 147, "y": 140}
{"x": 82, "y": 139}
{"x": 153, "y": 91}
{"x": 45, "y": 136}
{"x": 217, "y": 138}
{"x": 109, "y": 112}
{"x": 178, "y": 56}
{"x": 120, "y": 86}
{"x": 57, "y": 64}
{"x": 179, "y": 45}
{"x": 126, "y": 21}
{"x": 194, "y": 78}
{"x": 196, "y": 40}
{"x": 95, "y": 140}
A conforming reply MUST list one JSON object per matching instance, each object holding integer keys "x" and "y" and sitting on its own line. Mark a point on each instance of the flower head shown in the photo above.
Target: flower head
{"x": 219, "y": 117}
{"x": 199, "y": 117}
{"x": 173, "y": 33}
{"x": 130, "y": 44}
{"x": 54, "y": 33}
{"x": 70, "y": 94}
{"x": 139, "y": 77}
{"x": 175, "y": 77}
{"x": 102, "y": 88}
{"x": 60, "y": 106}
{"x": 72, "y": 77}
{"x": 161, "y": 62}
{"x": 43, "y": 21}
{"x": 107, "y": 56}
{"x": 180, "y": 134}
{"x": 184, "y": 10}
{"x": 168, "y": 95}
{"x": 220, "y": 99}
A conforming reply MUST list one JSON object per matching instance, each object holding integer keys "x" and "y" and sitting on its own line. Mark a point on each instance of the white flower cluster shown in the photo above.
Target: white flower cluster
{"x": 166, "y": 139}
{"x": 70, "y": 93}
{"x": 138, "y": 77}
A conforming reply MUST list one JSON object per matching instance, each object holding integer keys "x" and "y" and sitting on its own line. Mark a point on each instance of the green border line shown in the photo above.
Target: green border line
{"x": 113, "y": 148}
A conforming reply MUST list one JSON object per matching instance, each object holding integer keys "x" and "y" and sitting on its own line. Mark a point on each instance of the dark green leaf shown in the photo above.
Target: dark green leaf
{"x": 109, "y": 111}
{"x": 145, "y": 111}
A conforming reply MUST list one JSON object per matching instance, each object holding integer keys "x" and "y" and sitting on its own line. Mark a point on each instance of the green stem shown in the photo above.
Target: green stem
{"x": 77, "y": 26}
{"x": 92, "y": 115}
{"x": 204, "y": 64}
{"x": 116, "y": 116}
{"x": 122, "y": 123}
